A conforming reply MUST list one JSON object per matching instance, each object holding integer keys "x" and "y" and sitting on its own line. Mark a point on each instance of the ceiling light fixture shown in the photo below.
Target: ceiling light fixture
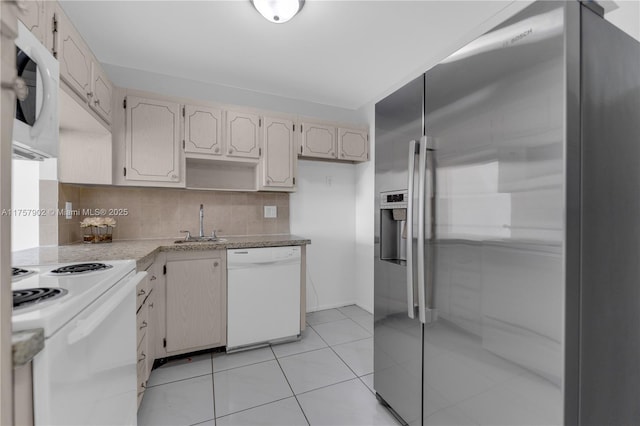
{"x": 278, "y": 11}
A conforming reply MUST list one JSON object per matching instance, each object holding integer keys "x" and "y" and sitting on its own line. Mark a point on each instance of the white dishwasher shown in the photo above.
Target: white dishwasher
{"x": 263, "y": 296}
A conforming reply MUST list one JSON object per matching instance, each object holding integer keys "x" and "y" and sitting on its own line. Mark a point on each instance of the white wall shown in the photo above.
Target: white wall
{"x": 25, "y": 193}
{"x": 323, "y": 209}
{"x": 180, "y": 87}
{"x": 365, "y": 180}
{"x": 626, "y": 17}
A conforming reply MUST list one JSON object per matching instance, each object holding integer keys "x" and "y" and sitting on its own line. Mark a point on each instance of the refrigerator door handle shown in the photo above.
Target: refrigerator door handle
{"x": 426, "y": 311}
{"x": 422, "y": 174}
{"x": 411, "y": 171}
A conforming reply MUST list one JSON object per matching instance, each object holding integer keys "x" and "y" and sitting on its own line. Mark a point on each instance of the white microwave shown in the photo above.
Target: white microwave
{"x": 35, "y": 127}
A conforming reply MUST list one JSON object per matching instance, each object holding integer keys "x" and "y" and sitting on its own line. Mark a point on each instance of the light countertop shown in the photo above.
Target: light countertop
{"x": 143, "y": 250}
{"x": 26, "y": 345}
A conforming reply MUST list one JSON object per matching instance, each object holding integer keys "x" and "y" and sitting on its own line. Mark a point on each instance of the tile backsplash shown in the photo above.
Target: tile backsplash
{"x": 143, "y": 213}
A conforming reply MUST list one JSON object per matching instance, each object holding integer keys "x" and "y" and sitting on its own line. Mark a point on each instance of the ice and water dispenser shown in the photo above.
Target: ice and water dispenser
{"x": 393, "y": 226}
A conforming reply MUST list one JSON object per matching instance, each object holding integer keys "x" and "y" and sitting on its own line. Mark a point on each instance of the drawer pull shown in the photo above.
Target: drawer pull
{"x": 153, "y": 278}
{"x": 143, "y": 357}
{"x": 142, "y": 292}
{"x": 143, "y": 325}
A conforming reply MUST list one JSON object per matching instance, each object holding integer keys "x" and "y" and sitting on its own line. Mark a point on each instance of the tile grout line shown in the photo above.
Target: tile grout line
{"x": 244, "y": 365}
{"x": 290, "y": 387}
{"x": 251, "y": 408}
{"x": 213, "y": 388}
{"x": 343, "y": 343}
{"x": 177, "y": 380}
{"x": 343, "y": 361}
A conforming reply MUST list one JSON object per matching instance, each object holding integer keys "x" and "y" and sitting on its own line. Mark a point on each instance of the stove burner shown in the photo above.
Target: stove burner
{"x": 80, "y": 268}
{"x": 19, "y": 272}
{"x": 31, "y": 296}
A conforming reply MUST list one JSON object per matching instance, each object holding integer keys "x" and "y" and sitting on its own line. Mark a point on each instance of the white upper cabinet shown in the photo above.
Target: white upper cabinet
{"x": 277, "y": 166}
{"x": 353, "y": 144}
{"x": 203, "y": 130}
{"x": 243, "y": 135}
{"x": 100, "y": 99}
{"x": 74, "y": 56}
{"x": 318, "y": 140}
{"x": 79, "y": 69}
{"x": 35, "y": 19}
{"x": 152, "y": 140}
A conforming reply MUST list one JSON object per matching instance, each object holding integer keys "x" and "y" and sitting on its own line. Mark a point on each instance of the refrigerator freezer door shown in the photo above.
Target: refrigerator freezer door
{"x": 397, "y": 338}
{"x": 495, "y": 110}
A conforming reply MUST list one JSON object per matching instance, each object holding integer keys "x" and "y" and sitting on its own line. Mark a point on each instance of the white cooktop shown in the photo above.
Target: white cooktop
{"x": 82, "y": 290}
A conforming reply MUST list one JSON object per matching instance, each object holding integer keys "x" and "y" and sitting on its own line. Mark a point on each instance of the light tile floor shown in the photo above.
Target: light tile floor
{"x": 326, "y": 378}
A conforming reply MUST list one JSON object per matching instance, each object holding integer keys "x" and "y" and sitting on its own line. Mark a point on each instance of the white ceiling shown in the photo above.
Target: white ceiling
{"x": 339, "y": 53}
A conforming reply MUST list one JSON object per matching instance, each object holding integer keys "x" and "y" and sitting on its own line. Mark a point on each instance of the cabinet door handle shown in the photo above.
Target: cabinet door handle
{"x": 153, "y": 278}
{"x": 215, "y": 264}
{"x": 89, "y": 94}
{"x": 151, "y": 305}
{"x": 142, "y": 292}
{"x": 230, "y": 151}
{"x": 97, "y": 102}
{"x": 143, "y": 325}
{"x": 143, "y": 357}
{"x": 216, "y": 150}
{"x": 174, "y": 177}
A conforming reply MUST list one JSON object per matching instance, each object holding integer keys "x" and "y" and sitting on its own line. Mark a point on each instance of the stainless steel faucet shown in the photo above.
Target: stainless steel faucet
{"x": 201, "y": 220}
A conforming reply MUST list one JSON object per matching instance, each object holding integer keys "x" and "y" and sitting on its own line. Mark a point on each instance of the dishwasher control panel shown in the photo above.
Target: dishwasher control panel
{"x": 237, "y": 257}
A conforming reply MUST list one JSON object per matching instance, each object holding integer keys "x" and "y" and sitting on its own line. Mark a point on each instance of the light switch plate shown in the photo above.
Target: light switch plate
{"x": 270, "y": 211}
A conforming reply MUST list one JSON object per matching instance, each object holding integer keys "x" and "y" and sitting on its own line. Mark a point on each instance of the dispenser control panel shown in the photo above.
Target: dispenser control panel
{"x": 393, "y": 199}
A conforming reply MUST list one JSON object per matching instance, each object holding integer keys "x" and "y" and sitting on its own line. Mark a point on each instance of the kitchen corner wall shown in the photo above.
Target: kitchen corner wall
{"x": 163, "y": 213}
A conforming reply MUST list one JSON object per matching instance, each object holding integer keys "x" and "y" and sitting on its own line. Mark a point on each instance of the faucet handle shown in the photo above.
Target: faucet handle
{"x": 188, "y": 236}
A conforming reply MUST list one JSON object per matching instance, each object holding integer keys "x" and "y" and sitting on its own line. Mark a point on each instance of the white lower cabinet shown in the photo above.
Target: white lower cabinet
{"x": 196, "y": 301}
{"x": 149, "y": 322}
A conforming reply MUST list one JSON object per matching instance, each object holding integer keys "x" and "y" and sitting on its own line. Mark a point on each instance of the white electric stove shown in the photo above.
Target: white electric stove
{"x": 86, "y": 373}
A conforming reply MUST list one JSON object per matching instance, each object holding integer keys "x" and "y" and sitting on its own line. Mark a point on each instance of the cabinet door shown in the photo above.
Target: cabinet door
{"x": 152, "y": 140}
{"x": 74, "y": 56}
{"x": 353, "y": 144}
{"x": 34, "y": 18}
{"x": 277, "y": 164}
{"x": 203, "y": 130}
{"x": 317, "y": 141}
{"x": 243, "y": 135}
{"x": 101, "y": 93}
{"x": 196, "y": 303}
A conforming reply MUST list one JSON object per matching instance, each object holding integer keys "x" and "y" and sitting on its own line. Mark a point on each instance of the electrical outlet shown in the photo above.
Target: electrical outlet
{"x": 270, "y": 211}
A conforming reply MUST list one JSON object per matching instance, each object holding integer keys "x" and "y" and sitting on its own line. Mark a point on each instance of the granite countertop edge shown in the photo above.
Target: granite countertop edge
{"x": 26, "y": 344}
{"x": 143, "y": 251}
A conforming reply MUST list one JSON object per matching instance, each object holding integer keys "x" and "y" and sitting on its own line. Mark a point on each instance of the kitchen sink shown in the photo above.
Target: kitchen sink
{"x": 201, "y": 240}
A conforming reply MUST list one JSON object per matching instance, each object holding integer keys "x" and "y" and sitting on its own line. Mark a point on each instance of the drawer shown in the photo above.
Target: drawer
{"x": 142, "y": 291}
{"x": 142, "y": 370}
{"x": 142, "y": 363}
{"x": 142, "y": 323}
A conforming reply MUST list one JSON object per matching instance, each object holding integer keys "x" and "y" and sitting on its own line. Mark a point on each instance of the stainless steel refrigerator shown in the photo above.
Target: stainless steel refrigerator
{"x": 507, "y": 211}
